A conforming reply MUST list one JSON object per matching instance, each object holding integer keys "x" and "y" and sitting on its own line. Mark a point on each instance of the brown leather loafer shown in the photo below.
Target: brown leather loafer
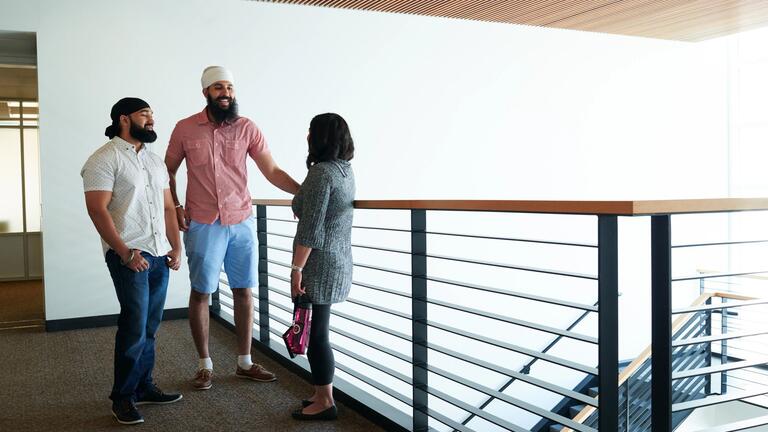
{"x": 256, "y": 373}
{"x": 203, "y": 379}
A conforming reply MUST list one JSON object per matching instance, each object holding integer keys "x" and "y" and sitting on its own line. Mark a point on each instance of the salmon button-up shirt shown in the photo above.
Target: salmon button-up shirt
{"x": 217, "y": 178}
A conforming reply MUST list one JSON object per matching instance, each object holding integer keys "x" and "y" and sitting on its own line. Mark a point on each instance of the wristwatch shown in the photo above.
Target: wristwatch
{"x": 297, "y": 268}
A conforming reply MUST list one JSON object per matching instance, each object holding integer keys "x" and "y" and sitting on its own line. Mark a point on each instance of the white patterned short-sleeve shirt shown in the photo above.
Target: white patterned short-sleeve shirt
{"x": 137, "y": 182}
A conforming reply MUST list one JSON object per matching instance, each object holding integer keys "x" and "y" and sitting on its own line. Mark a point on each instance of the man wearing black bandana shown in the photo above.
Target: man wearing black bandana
{"x": 130, "y": 204}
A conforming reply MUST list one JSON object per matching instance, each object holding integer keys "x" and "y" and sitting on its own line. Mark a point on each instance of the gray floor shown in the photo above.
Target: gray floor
{"x": 60, "y": 382}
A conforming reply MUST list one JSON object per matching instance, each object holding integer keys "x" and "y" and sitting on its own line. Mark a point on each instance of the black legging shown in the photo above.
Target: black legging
{"x": 319, "y": 352}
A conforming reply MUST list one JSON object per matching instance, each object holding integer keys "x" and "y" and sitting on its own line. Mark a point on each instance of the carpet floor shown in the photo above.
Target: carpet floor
{"x": 61, "y": 381}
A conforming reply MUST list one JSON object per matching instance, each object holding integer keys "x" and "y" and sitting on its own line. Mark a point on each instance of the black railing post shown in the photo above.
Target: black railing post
{"x": 419, "y": 318}
{"x": 261, "y": 229}
{"x": 608, "y": 322}
{"x": 724, "y": 347}
{"x": 661, "y": 323}
{"x": 708, "y": 332}
{"x": 215, "y": 302}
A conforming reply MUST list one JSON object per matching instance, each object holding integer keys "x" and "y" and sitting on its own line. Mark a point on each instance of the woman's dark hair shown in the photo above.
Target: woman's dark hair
{"x": 329, "y": 139}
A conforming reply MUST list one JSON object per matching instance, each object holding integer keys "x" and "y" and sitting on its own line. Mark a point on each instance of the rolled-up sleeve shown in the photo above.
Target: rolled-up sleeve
{"x": 98, "y": 173}
{"x": 175, "y": 151}
{"x": 316, "y": 192}
{"x": 257, "y": 144}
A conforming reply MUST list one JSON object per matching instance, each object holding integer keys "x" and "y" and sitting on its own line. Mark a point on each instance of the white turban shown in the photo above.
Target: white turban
{"x": 211, "y": 74}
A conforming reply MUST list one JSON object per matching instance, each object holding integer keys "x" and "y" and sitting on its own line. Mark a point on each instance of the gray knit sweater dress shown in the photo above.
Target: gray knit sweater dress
{"x": 324, "y": 208}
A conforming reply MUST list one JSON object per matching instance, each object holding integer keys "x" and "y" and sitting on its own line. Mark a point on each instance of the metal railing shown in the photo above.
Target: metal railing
{"x": 436, "y": 351}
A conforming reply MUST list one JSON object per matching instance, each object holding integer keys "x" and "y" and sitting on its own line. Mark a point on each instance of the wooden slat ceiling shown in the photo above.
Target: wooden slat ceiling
{"x": 684, "y": 20}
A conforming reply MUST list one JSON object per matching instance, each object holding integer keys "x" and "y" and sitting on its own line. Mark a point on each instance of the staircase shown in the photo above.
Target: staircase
{"x": 635, "y": 381}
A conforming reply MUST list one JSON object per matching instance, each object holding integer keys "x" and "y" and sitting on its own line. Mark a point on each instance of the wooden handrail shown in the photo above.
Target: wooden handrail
{"x": 619, "y": 208}
{"x": 646, "y": 353}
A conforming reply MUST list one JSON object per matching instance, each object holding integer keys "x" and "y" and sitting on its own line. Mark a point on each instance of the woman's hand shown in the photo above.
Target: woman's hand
{"x": 296, "y": 288}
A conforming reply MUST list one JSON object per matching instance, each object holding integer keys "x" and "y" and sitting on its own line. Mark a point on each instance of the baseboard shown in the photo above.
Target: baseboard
{"x": 104, "y": 320}
{"x": 348, "y": 400}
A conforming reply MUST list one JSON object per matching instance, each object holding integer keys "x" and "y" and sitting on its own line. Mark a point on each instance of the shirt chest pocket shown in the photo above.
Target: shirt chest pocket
{"x": 234, "y": 152}
{"x": 196, "y": 152}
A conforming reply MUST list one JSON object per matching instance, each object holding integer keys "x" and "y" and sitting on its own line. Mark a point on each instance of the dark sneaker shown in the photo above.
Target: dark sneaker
{"x": 203, "y": 379}
{"x": 155, "y": 396}
{"x": 256, "y": 373}
{"x": 125, "y": 412}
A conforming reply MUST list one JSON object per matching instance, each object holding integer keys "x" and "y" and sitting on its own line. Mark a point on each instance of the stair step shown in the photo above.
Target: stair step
{"x": 575, "y": 410}
{"x": 592, "y": 391}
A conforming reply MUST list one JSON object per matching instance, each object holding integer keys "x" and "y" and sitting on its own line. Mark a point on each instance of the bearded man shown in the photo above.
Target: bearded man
{"x": 218, "y": 218}
{"x": 130, "y": 204}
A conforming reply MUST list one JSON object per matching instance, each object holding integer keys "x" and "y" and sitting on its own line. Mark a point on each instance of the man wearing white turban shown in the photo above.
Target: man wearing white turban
{"x": 218, "y": 218}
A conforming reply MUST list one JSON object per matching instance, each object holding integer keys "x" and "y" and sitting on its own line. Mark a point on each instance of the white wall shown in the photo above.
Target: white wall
{"x": 438, "y": 109}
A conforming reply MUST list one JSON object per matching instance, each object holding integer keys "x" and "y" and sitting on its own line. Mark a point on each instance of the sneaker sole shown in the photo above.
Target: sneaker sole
{"x": 127, "y": 422}
{"x": 160, "y": 403}
{"x": 255, "y": 379}
{"x": 203, "y": 388}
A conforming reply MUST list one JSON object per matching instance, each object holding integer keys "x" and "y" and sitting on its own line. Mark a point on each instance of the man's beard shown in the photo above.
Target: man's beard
{"x": 219, "y": 114}
{"x": 142, "y": 134}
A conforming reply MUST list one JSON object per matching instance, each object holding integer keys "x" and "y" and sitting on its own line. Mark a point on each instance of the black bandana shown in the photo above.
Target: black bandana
{"x": 125, "y": 106}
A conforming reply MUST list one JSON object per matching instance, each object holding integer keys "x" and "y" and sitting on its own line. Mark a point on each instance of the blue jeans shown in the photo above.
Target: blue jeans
{"x": 142, "y": 299}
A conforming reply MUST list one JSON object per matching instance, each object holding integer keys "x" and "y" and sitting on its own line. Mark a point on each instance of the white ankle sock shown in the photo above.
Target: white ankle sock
{"x": 205, "y": 363}
{"x": 244, "y": 361}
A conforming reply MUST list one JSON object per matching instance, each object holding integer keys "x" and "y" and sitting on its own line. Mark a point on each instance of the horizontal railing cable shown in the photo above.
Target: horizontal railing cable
{"x": 346, "y": 334}
{"x": 718, "y": 337}
{"x": 349, "y": 317}
{"x": 456, "y": 426}
{"x": 361, "y": 284}
{"x": 464, "y": 260}
{"x": 529, "y": 379}
{"x": 716, "y": 400}
{"x": 518, "y": 349}
{"x": 717, "y": 275}
{"x": 719, "y": 368}
{"x": 713, "y": 307}
{"x": 518, "y": 294}
{"x": 513, "y": 267}
{"x": 381, "y": 387}
{"x": 513, "y": 239}
{"x": 474, "y": 410}
{"x": 515, "y": 321}
{"x": 375, "y": 384}
{"x": 718, "y": 244}
{"x": 739, "y": 425}
{"x": 533, "y": 409}
{"x": 378, "y": 366}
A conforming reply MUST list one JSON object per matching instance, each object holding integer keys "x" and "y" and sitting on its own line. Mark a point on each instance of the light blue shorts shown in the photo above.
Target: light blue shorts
{"x": 210, "y": 246}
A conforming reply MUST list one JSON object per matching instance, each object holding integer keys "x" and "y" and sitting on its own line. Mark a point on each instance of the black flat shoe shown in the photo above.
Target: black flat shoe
{"x": 328, "y": 414}
{"x": 306, "y": 402}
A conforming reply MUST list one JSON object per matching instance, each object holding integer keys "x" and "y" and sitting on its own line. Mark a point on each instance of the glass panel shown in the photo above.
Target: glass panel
{"x": 29, "y": 110}
{"x": 6, "y": 115}
{"x": 753, "y": 92}
{"x": 10, "y": 181}
{"x": 32, "y": 178}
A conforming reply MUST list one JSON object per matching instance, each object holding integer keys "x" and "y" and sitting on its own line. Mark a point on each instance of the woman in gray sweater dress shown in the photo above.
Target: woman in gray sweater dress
{"x": 322, "y": 249}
